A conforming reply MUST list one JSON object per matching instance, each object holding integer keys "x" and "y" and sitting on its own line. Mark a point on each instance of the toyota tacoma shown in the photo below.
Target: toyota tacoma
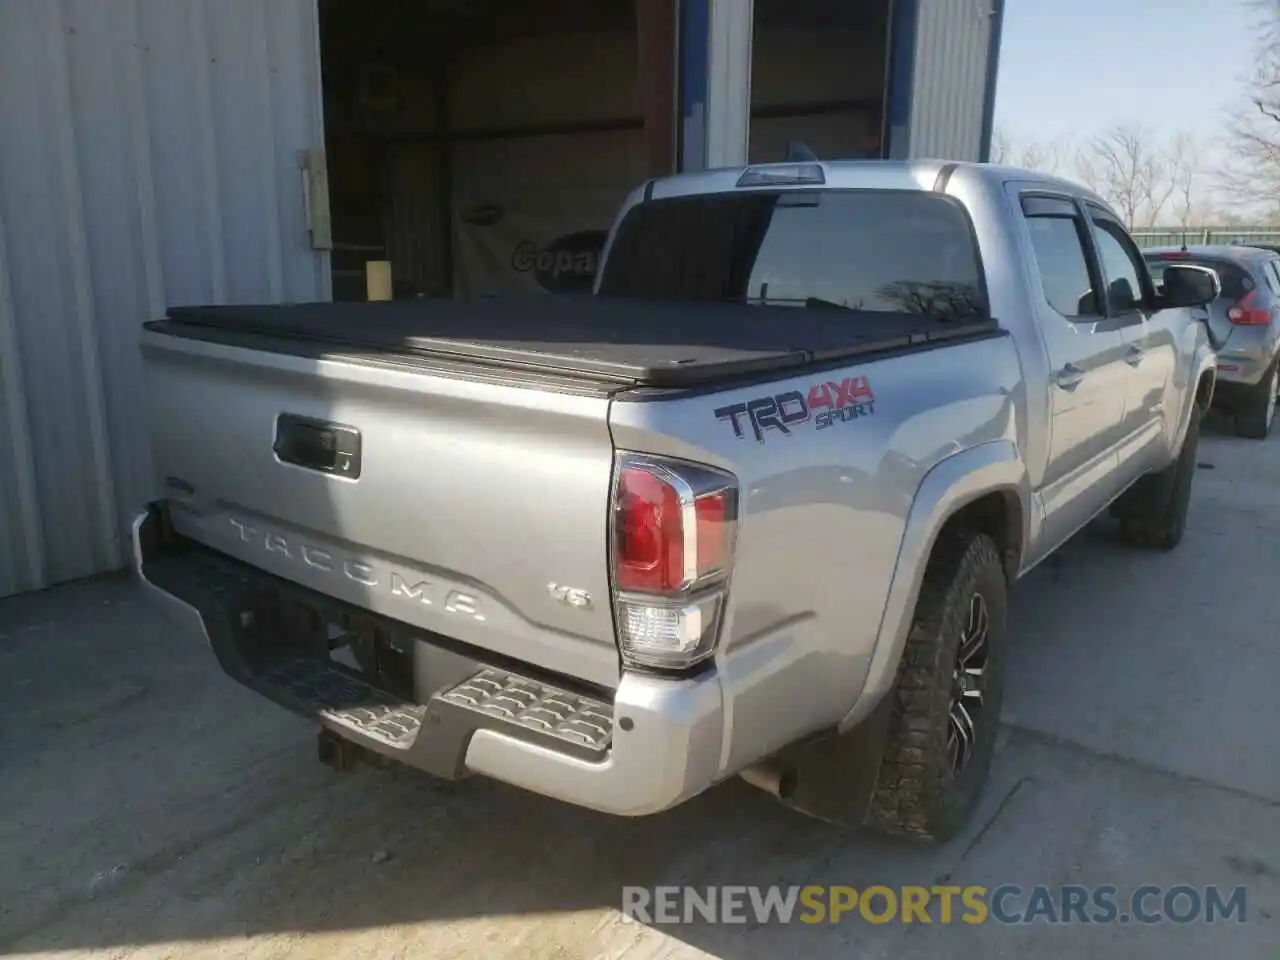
{"x": 750, "y": 507}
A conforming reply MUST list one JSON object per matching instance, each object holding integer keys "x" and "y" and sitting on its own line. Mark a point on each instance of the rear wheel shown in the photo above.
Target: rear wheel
{"x": 1257, "y": 410}
{"x": 1153, "y": 513}
{"x": 946, "y": 702}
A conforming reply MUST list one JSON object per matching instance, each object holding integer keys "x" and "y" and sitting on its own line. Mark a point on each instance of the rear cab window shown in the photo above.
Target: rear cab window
{"x": 889, "y": 251}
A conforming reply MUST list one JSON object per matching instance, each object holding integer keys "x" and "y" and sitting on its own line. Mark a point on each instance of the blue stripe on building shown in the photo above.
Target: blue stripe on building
{"x": 903, "y": 22}
{"x": 993, "y": 76}
{"x": 695, "y": 52}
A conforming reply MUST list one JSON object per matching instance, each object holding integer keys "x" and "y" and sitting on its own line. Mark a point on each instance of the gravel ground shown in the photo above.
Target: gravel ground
{"x": 149, "y": 807}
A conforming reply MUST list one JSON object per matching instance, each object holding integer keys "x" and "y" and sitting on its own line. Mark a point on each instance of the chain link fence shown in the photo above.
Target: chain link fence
{"x": 1245, "y": 236}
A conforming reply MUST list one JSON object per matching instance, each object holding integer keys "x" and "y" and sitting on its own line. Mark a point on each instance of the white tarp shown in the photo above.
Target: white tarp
{"x": 543, "y": 240}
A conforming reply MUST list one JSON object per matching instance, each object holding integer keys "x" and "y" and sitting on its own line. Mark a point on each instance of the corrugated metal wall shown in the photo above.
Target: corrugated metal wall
{"x": 949, "y": 87}
{"x": 149, "y": 156}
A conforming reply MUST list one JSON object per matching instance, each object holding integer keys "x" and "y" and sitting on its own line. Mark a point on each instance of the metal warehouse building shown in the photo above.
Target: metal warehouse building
{"x": 164, "y": 152}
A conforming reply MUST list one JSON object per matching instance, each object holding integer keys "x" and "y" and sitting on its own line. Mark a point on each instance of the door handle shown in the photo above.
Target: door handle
{"x": 1069, "y": 377}
{"x": 1134, "y": 356}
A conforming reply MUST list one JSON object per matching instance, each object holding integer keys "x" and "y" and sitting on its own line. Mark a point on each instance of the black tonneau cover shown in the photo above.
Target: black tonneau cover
{"x": 623, "y": 340}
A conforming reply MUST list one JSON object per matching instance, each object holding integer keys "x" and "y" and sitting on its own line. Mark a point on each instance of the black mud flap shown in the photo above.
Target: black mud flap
{"x": 835, "y": 775}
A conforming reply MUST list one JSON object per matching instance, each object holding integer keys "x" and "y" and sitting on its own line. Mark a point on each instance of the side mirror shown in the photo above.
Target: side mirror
{"x": 1190, "y": 285}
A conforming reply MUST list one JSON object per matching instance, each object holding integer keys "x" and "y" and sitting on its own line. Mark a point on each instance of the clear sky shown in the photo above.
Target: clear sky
{"x": 1071, "y": 67}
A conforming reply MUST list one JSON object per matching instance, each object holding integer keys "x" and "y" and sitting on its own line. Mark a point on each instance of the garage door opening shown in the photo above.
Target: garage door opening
{"x": 483, "y": 147}
{"x": 819, "y": 76}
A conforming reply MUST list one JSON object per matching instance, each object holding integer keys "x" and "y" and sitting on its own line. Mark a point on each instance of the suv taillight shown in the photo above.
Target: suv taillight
{"x": 672, "y": 533}
{"x": 1244, "y": 313}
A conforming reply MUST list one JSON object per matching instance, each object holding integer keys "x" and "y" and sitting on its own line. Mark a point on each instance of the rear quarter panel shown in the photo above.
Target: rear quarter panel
{"x": 1252, "y": 349}
{"x": 823, "y": 516}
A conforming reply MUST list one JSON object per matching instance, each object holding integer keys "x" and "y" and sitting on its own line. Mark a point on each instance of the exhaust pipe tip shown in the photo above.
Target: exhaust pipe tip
{"x": 778, "y": 781}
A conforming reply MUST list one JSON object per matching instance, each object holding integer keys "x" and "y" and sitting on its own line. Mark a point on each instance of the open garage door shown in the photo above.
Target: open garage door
{"x": 819, "y": 76}
{"x": 483, "y": 147}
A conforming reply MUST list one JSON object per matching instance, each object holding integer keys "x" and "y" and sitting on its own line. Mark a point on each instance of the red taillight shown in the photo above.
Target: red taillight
{"x": 668, "y": 536}
{"x": 673, "y": 536}
{"x": 673, "y": 533}
{"x": 1245, "y": 314}
{"x": 712, "y": 512}
{"x": 650, "y": 533}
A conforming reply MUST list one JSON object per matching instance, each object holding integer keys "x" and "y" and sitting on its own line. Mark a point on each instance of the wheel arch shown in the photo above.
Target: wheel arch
{"x": 1197, "y": 399}
{"x": 1204, "y": 390}
{"x": 985, "y": 489}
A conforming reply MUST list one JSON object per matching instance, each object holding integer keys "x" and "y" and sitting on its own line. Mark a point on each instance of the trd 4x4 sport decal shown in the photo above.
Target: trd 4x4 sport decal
{"x": 827, "y": 404}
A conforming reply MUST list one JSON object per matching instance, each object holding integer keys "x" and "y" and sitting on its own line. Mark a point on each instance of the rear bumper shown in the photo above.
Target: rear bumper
{"x": 1242, "y": 368}
{"x": 647, "y": 746}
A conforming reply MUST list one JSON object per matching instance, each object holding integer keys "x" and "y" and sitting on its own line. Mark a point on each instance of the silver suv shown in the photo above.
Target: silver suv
{"x": 1244, "y": 323}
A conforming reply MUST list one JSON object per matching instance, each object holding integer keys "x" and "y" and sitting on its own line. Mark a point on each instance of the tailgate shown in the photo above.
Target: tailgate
{"x": 457, "y": 505}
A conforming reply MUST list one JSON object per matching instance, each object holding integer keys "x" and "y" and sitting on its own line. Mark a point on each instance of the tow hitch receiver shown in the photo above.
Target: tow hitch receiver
{"x": 343, "y": 755}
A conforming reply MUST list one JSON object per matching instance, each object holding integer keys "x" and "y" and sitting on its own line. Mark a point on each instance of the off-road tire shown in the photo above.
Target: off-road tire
{"x": 1255, "y": 406}
{"x": 917, "y": 795}
{"x": 1153, "y": 512}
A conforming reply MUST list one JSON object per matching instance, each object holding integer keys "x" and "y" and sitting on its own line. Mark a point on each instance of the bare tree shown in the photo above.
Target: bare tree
{"x": 1001, "y": 148}
{"x": 1251, "y": 174}
{"x": 1157, "y": 188}
{"x": 1125, "y": 166}
{"x": 1184, "y": 159}
{"x": 1032, "y": 154}
{"x": 1045, "y": 157}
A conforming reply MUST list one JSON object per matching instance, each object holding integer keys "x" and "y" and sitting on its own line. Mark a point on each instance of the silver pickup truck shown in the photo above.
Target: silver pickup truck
{"x": 752, "y": 508}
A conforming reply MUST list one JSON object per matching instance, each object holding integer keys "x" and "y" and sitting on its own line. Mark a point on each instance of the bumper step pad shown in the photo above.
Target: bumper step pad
{"x": 490, "y": 699}
{"x": 348, "y": 702}
{"x": 576, "y": 720}
{"x": 432, "y": 736}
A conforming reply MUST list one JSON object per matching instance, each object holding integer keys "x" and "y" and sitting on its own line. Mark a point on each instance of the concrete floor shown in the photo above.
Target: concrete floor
{"x": 149, "y": 807}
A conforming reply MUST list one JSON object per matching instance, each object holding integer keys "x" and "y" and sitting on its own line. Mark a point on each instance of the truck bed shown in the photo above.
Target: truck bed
{"x": 630, "y": 342}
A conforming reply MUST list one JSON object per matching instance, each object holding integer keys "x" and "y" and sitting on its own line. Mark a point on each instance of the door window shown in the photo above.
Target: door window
{"x": 1057, "y": 239}
{"x": 1122, "y": 267}
{"x": 1272, "y": 272}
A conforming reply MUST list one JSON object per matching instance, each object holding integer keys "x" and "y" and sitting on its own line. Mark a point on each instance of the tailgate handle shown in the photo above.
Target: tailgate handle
{"x": 318, "y": 445}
